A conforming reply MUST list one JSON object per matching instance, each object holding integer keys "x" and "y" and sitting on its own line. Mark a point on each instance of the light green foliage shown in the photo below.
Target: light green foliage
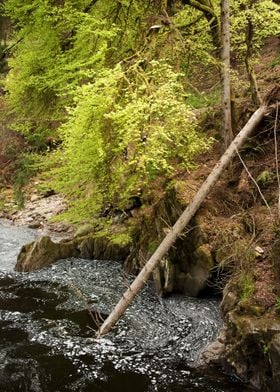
{"x": 201, "y": 100}
{"x": 265, "y": 17}
{"x": 97, "y": 76}
{"x": 152, "y": 246}
{"x": 247, "y": 286}
{"x": 59, "y": 49}
{"x": 126, "y": 129}
{"x": 265, "y": 178}
{"x": 195, "y": 42}
{"x": 277, "y": 303}
{"x": 61, "y": 45}
{"x": 121, "y": 239}
{"x": 265, "y": 349}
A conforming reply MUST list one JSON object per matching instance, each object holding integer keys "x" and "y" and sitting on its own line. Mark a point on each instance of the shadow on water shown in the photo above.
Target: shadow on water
{"x": 47, "y": 336}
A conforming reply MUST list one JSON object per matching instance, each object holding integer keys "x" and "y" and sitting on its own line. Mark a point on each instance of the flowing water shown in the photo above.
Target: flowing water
{"x": 48, "y": 320}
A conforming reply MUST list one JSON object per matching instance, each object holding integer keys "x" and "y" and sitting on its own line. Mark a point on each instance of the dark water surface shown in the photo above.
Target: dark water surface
{"x": 47, "y": 336}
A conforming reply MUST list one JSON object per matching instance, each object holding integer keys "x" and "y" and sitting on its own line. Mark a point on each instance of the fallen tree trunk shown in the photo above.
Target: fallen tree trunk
{"x": 181, "y": 223}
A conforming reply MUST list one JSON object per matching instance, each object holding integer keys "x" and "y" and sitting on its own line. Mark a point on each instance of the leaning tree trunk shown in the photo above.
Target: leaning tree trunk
{"x": 225, "y": 72}
{"x": 181, "y": 223}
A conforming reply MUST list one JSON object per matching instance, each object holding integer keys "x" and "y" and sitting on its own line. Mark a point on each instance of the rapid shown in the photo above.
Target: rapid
{"x": 48, "y": 320}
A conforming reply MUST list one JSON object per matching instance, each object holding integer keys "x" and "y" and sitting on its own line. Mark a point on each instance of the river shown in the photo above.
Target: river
{"x": 48, "y": 344}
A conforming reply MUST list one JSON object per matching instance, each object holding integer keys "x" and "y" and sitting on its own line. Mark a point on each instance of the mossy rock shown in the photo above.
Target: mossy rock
{"x": 43, "y": 252}
{"x": 102, "y": 248}
{"x": 195, "y": 279}
{"x": 203, "y": 257}
{"x": 86, "y": 248}
{"x": 230, "y": 300}
{"x": 252, "y": 348}
{"x": 84, "y": 230}
{"x": 274, "y": 359}
{"x": 245, "y": 306}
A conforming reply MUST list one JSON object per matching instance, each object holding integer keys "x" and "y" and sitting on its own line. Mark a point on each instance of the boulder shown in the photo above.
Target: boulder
{"x": 230, "y": 299}
{"x": 274, "y": 357}
{"x": 212, "y": 353}
{"x": 102, "y": 248}
{"x": 84, "y": 230}
{"x": 86, "y": 248}
{"x": 252, "y": 349}
{"x": 43, "y": 252}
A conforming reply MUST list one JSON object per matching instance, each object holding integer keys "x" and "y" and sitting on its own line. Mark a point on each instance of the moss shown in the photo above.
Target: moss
{"x": 203, "y": 255}
{"x": 265, "y": 178}
{"x": 84, "y": 230}
{"x": 152, "y": 246}
{"x": 277, "y": 305}
{"x": 247, "y": 286}
{"x": 122, "y": 239}
{"x": 247, "y": 307}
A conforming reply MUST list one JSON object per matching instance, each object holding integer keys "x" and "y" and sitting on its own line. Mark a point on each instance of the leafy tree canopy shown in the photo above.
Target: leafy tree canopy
{"x": 124, "y": 130}
{"x": 110, "y": 81}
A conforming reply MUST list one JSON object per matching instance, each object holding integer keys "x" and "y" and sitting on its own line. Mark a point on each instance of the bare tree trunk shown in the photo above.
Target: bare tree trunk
{"x": 225, "y": 59}
{"x": 181, "y": 223}
{"x": 248, "y": 62}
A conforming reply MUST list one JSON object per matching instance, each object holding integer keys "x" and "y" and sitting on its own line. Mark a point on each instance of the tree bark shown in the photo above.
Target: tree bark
{"x": 181, "y": 223}
{"x": 225, "y": 60}
{"x": 248, "y": 62}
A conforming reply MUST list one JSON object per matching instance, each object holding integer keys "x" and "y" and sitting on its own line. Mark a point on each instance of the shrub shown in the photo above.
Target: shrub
{"x": 126, "y": 128}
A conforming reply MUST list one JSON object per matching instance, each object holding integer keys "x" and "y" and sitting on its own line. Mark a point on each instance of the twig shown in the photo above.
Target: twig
{"x": 254, "y": 181}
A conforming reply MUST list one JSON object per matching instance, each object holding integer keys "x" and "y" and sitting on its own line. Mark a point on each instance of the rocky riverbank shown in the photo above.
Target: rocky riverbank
{"x": 37, "y": 213}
